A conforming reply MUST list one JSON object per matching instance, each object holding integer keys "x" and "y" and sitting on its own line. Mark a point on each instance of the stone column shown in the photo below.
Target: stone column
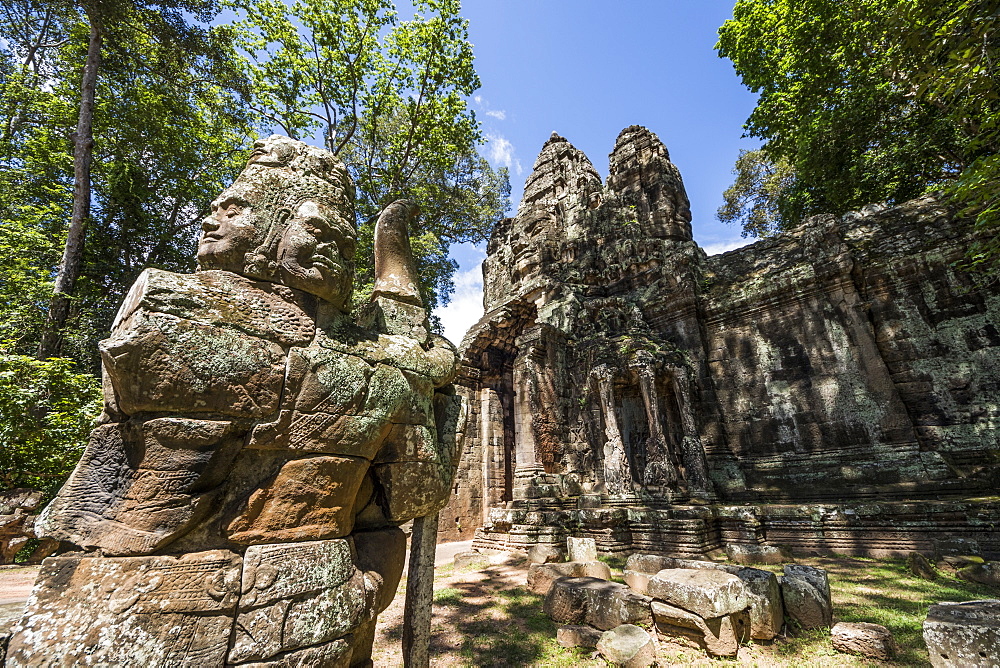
{"x": 659, "y": 469}
{"x": 617, "y": 474}
{"x": 692, "y": 452}
{"x": 490, "y": 433}
{"x": 419, "y": 593}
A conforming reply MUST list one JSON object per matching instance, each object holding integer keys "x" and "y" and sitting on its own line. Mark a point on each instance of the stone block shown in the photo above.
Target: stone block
{"x": 954, "y": 547}
{"x": 719, "y": 636}
{"x": 987, "y": 573}
{"x": 766, "y": 611}
{"x": 578, "y": 635}
{"x": 748, "y": 555}
{"x": 600, "y": 603}
{"x": 297, "y": 595}
{"x": 639, "y": 582}
{"x": 414, "y": 489}
{"x": 581, "y": 549}
{"x": 310, "y": 499}
{"x": 654, "y": 563}
{"x": 920, "y": 566}
{"x": 541, "y": 576}
{"x": 871, "y": 641}
{"x": 546, "y": 553}
{"x": 707, "y": 593}
{"x": 139, "y": 611}
{"x": 805, "y": 592}
{"x": 628, "y": 646}
{"x": 963, "y": 635}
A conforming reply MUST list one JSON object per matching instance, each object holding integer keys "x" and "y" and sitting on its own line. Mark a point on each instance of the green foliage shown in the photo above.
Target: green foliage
{"x": 387, "y": 96}
{"x": 167, "y": 138}
{"x": 46, "y": 412}
{"x": 756, "y": 198}
{"x": 865, "y": 101}
{"x": 953, "y": 50}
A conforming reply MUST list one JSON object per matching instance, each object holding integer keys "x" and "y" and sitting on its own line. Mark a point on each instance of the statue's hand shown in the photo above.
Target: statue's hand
{"x": 396, "y": 306}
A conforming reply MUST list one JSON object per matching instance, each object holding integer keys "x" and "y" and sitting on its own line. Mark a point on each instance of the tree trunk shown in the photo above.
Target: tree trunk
{"x": 83, "y": 154}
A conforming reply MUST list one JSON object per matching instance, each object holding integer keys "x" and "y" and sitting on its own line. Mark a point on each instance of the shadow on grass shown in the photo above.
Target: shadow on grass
{"x": 885, "y": 592}
{"x": 495, "y": 624}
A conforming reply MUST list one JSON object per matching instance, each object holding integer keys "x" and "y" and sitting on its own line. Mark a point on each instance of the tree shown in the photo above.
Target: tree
{"x": 387, "y": 96}
{"x": 844, "y": 98}
{"x": 46, "y": 412}
{"x": 164, "y": 25}
{"x": 167, "y": 138}
{"x": 952, "y": 50}
{"x": 757, "y": 196}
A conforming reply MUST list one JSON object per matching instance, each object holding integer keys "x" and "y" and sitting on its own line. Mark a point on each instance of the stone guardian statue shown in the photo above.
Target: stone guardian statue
{"x": 239, "y": 502}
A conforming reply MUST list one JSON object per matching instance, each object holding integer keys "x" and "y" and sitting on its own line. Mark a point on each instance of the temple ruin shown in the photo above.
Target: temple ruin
{"x": 832, "y": 389}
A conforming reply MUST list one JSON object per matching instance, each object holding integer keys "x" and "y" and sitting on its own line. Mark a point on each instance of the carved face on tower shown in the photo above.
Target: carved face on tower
{"x": 288, "y": 218}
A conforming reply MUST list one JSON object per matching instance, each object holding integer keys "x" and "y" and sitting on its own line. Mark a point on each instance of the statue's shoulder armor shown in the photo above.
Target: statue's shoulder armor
{"x": 211, "y": 342}
{"x": 226, "y": 300}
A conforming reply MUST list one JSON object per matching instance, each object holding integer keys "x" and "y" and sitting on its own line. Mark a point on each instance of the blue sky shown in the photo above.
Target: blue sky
{"x": 587, "y": 69}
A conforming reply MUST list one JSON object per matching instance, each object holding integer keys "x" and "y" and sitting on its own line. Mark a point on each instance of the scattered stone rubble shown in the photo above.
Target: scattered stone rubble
{"x": 714, "y": 606}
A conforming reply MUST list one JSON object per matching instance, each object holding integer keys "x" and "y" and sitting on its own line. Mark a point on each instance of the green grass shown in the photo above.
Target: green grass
{"x": 885, "y": 592}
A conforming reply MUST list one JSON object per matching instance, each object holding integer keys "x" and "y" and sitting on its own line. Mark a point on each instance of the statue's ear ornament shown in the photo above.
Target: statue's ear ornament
{"x": 262, "y": 262}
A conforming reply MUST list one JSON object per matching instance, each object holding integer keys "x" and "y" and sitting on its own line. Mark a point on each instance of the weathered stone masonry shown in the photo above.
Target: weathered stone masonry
{"x": 835, "y": 388}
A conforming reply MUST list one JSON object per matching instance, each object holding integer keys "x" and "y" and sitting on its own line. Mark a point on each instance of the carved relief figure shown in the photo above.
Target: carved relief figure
{"x": 239, "y": 502}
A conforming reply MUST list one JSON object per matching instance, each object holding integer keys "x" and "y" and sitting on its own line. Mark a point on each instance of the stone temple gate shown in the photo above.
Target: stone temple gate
{"x": 835, "y": 388}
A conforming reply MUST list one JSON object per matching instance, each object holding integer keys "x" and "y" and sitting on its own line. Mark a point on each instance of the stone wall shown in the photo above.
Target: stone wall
{"x": 623, "y": 385}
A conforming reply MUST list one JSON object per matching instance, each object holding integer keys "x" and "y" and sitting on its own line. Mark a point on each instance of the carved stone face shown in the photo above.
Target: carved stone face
{"x": 315, "y": 254}
{"x": 231, "y": 231}
{"x": 286, "y": 219}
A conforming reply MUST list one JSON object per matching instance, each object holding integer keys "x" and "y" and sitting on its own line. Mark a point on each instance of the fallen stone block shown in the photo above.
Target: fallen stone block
{"x": 872, "y": 641}
{"x": 546, "y": 553}
{"x": 600, "y": 603}
{"x": 578, "y": 635}
{"x": 471, "y": 558}
{"x": 628, "y": 646}
{"x": 748, "y": 555}
{"x": 581, "y": 549}
{"x": 963, "y": 635}
{"x": 987, "y": 573}
{"x": 921, "y": 566}
{"x": 654, "y": 563}
{"x": 805, "y": 592}
{"x": 708, "y": 593}
{"x": 639, "y": 582}
{"x": 541, "y": 576}
{"x": 719, "y": 636}
{"x": 766, "y": 611}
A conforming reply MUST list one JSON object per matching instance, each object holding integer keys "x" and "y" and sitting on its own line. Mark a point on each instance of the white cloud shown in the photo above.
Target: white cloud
{"x": 727, "y": 245}
{"x": 466, "y": 305}
{"x": 487, "y": 108}
{"x": 501, "y": 152}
